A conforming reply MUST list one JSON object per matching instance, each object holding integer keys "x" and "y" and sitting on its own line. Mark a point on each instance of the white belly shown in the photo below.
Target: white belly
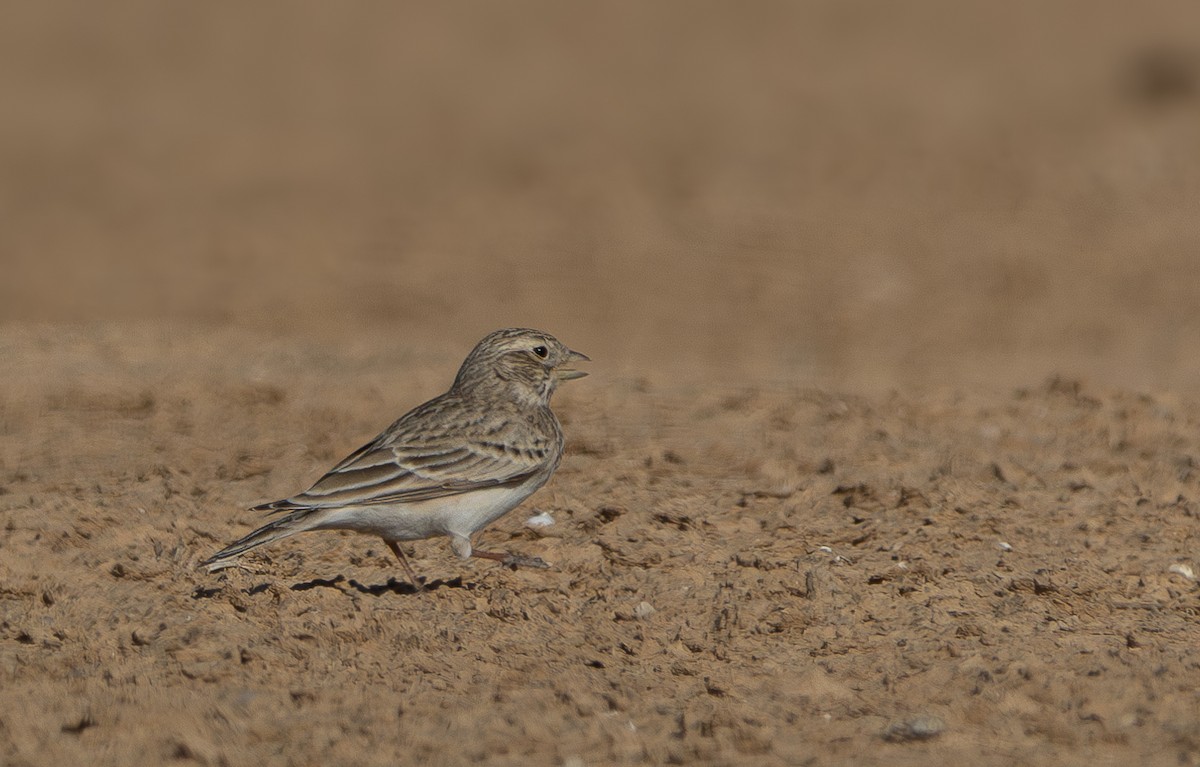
{"x": 455, "y": 515}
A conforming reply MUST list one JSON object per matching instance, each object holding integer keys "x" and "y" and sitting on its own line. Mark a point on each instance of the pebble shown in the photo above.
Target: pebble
{"x": 644, "y": 610}
{"x": 1185, "y": 570}
{"x": 919, "y": 727}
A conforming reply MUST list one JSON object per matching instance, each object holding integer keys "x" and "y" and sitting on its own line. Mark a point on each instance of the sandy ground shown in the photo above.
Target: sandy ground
{"x": 889, "y": 454}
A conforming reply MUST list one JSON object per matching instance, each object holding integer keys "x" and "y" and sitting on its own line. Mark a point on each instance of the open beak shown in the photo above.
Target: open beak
{"x": 567, "y": 374}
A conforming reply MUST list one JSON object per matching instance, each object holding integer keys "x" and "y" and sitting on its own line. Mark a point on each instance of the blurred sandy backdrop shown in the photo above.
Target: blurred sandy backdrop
{"x": 894, "y": 418}
{"x": 857, "y": 194}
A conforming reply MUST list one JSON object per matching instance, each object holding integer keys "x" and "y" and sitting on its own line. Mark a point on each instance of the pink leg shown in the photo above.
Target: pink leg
{"x": 412, "y": 576}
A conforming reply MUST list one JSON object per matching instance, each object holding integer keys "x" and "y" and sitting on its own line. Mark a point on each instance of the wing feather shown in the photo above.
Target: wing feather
{"x": 403, "y": 465}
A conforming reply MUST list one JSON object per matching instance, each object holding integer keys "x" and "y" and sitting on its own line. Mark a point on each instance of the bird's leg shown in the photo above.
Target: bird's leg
{"x": 462, "y": 547}
{"x": 511, "y": 560}
{"x": 412, "y": 576}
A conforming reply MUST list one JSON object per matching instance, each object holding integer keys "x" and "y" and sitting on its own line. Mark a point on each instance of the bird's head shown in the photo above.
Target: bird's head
{"x": 526, "y": 363}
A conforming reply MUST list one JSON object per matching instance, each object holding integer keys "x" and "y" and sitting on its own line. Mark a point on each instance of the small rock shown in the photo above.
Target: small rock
{"x": 538, "y": 521}
{"x": 644, "y": 610}
{"x": 1181, "y": 569}
{"x": 919, "y": 727}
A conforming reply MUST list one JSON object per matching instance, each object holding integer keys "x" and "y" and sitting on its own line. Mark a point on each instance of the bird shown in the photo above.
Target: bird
{"x": 449, "y": 467}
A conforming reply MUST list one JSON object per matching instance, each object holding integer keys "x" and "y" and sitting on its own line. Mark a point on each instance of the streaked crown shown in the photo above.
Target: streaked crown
{"x": 520, "y": 362}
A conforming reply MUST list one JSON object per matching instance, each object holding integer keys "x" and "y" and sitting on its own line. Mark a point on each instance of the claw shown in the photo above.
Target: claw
{"x": 515, "y": 560}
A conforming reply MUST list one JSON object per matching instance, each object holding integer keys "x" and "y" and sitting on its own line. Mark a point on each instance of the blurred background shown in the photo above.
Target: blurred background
{"x": 852, "y": 194}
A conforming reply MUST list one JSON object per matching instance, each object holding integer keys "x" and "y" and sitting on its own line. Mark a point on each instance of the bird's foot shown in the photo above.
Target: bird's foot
{"x": 512, "y": 560}
{"x": 515, "y": 560}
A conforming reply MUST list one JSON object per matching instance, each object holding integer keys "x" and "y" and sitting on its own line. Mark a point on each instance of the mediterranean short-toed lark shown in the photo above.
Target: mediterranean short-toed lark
{"x": 448, "y": 467}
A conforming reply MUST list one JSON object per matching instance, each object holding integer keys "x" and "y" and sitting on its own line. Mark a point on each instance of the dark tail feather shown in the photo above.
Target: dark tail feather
{"x": 296, "y": 522}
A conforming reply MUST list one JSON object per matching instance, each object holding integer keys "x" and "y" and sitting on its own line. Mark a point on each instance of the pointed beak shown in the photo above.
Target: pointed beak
{"x": 568, "y": 374}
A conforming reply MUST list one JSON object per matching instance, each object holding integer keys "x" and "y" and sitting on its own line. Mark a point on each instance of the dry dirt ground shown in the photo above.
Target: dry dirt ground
{"x": 888, "y": 455}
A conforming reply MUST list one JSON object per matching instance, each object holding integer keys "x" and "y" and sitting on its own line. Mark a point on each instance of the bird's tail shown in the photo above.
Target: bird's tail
{"x": 298, "y": 521}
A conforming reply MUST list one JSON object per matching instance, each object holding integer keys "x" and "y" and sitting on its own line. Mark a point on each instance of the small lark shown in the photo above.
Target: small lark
{"x": 448, "y": 467}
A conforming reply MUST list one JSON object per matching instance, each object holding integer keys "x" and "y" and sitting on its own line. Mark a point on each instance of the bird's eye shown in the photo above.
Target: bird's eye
{"x": 541, "y": 351}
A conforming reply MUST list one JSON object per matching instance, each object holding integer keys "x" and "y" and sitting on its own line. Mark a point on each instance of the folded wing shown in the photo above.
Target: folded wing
{"x": 399, "y": 468}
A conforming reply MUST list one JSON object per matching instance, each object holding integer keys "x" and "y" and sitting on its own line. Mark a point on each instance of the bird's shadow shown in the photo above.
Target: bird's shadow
{"x": 392, "y": 586}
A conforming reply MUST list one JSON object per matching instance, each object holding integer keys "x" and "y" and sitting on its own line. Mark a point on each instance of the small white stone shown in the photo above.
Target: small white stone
{"x": 920, "y": 727}
{"x": 1185, "y": 570}
{"x": 540, "y": 520}
{"x": 644, "y": 610}
{"x": 1004, "y": 546}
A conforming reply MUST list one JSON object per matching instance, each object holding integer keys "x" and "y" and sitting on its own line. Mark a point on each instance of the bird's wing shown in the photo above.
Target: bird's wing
{"x": 402, "y": 467}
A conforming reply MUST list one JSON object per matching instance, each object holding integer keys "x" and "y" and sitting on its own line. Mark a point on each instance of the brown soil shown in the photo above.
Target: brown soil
{"x": 889, "y": 451}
